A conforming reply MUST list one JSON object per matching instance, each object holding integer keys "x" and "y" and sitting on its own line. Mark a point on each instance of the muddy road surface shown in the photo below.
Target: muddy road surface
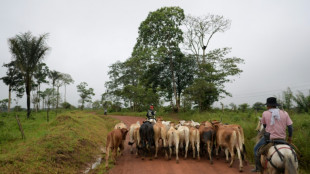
{"x": 129, "y": 164}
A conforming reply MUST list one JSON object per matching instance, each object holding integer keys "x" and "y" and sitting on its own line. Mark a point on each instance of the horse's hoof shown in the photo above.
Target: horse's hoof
{"x": 211, "y": 162}
{"x": 177, "y": 161}
{"x": 142, "y": 158}
{"x": 240, "y": 170}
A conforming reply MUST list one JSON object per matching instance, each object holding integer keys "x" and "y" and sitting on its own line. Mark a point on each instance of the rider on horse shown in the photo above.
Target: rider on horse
{"x": 275, "y": 122}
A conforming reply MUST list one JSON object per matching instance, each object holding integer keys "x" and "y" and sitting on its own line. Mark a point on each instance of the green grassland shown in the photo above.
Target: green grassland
{"x": 66, "y": 144}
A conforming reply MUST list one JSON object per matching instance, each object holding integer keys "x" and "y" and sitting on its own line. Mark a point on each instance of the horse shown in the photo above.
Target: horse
{"x": 280, "y": 158}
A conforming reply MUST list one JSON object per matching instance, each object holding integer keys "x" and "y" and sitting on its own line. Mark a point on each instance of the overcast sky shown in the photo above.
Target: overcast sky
{"x": 86, "y": 36}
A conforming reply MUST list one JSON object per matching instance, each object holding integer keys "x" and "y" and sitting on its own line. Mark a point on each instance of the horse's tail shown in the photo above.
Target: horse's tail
{"x": 289, "y": 165}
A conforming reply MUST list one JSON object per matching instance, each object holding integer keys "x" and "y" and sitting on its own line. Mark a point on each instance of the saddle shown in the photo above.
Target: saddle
{"x": 263, "y": 150}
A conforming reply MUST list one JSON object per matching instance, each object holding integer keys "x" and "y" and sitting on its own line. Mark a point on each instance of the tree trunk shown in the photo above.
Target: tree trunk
{"x": 174, "y": 85}
{"x": 65, "y": 92}
{"x": 57, "y": 99}
{"x": 28, "y": 89}
{"x": 9, "y": 103}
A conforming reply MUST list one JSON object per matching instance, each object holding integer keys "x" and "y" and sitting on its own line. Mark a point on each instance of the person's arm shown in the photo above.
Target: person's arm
{"x": 290, "y": 133}
{"x": 264, "y": 126}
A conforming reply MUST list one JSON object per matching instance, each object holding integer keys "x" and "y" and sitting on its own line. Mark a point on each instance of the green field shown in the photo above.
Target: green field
{"x": 72, "y": 140}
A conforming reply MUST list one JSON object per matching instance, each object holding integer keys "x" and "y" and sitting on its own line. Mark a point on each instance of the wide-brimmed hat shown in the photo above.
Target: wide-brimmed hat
{"x": 272, "y": 101}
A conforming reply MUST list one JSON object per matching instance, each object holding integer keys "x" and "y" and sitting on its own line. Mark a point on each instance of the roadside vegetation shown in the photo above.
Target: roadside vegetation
{"x": 68, "y": 143}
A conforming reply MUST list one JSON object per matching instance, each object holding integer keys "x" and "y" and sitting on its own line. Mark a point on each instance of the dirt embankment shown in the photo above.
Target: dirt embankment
{"x": 129, "y": 164}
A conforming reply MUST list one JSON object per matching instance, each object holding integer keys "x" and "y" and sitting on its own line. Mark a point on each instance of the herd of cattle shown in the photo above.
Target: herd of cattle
{"x": 202, "y": 137}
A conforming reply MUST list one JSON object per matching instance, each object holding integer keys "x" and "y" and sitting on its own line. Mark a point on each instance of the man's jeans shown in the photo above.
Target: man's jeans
{"x": 258, "y": 145}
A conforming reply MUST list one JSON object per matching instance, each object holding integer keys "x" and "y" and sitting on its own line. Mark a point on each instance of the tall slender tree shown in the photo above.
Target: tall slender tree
{"x": 67, "y": 80}
{"x": 28, "y": 51}
{"x": 14, "y": 80}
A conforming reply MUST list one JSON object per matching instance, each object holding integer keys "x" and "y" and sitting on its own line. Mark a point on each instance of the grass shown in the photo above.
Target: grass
{"x": 66, "y": 144}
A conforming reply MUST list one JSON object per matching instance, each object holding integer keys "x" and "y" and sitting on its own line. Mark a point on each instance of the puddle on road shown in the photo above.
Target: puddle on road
{"x": 96, "y": 163}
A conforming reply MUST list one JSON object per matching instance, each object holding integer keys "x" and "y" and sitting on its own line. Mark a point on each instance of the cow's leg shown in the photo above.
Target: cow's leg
{"x": 198, "y": 149}
{"x": 240, "y": 160}
{"x": 232, "y": 153}
{"x": 209, "y": 151}
{"x": 165, "y": 147}
{"x": 156, "y": 147}
{"x": 107, "y": 157}
{"x": 217, "y": 151}
{"x": 193, "y": 147}
{"x": 226, "y": 155}
{"x": 114, "y": 155}
{"x": 177, "y": 152}
{"x": 186, "y": 148}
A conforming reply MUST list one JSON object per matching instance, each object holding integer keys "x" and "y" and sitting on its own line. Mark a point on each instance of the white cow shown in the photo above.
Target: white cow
{"x": 120, "y": 125}
{"x": 173, "y": 139}
{"x": 184, "y": 138}
{"x": 132, "y": 136}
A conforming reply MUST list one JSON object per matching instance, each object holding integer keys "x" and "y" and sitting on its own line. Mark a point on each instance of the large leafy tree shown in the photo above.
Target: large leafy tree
{"x": 85, "y": 93}
{"x": 28, "y": 51}
{"x": 14, "y": 80}
{"x": 214, "y": 67}
{"x": 159, "y": 36}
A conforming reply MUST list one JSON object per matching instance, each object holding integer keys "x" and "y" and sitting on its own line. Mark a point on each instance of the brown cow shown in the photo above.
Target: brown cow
{"x": 207, "y": 134}
{"x": 160, "y": 132}
{"x": 229, "y": 139}
{"x": 114, "y": 141}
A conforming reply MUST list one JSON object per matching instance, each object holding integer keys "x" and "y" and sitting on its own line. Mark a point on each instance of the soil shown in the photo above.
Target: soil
{"x": 129, "y": 164}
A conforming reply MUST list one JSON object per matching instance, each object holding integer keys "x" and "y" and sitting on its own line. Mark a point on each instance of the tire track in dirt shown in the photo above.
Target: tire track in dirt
{"x": 129, "y": 164}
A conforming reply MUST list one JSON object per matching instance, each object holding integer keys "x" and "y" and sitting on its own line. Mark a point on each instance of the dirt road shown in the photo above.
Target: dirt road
{"x": 129, "y": 164}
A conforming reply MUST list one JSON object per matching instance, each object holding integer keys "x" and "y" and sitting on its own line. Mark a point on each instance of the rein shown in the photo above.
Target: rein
{"x": 280, "y": 155}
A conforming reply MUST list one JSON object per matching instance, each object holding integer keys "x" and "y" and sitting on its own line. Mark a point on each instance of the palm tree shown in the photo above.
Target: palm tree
{"x": 28, "y": 51}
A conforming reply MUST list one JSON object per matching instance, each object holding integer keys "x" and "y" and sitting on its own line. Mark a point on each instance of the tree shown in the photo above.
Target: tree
{"x": 50, "y": 100}
{"x": 160, "y": 36}
{"x": 258, "y": 106}
{"x": 96, "y": 104}
{"x": 233, "y": 106}
{"x": 55, "y": 76}
{"x": 243, "y": 107}
{"x": 67, "y": 80}
{"x": 3, "y": 105}
{"x": 302, "y": 101}
{"x": 288, "y": 99}
{"x": 28, "y": 51}
{"x": 214, "y": 68}
{"x": 14, "y": 80}
{"x": 85, "y": 93}
{"x": 199, "y": 31}
{"x": 40, "y": 77}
